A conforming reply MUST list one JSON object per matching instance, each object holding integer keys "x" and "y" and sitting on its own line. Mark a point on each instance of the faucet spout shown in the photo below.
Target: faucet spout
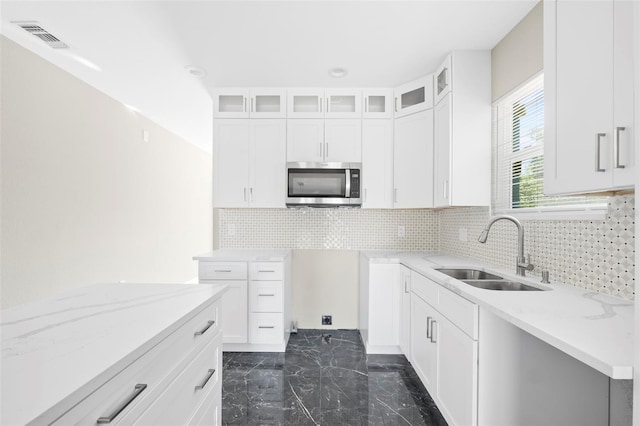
{"x": 522, "y": 264}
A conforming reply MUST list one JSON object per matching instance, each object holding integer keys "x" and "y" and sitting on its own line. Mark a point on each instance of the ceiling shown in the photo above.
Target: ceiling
{"x": 142, "y": 47}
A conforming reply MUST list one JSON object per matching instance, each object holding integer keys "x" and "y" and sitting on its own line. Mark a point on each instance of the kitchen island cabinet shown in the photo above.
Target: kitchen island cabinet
{"x": 80, "y": 356}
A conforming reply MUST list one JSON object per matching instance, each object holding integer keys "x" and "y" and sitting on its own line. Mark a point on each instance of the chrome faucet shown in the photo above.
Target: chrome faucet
{"x": 522, "y": 264}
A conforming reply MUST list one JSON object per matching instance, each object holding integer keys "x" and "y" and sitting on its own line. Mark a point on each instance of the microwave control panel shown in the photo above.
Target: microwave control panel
{"x": 355, "y": 184}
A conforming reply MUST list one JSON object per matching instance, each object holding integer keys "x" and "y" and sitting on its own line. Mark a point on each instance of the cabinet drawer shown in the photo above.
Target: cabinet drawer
{"x": 266, "y": 271}
{"x": 155, "y": 367}
{"x": 425, "y": 288}
{"x": 209, "y": 413}
{"x": 266, "y": 328}
{"x": 222, "y": 270}
{"x": 201, "y": 379}
{"x": 459, "y": 311}
{"x": 265, "y": 296}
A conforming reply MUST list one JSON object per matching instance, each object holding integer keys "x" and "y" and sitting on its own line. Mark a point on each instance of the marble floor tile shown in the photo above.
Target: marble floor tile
{"x": 324, "y": 378}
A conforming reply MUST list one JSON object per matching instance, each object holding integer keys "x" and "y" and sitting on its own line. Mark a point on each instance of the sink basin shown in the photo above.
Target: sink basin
{"x": 469, "y": 274}
{"x": 503, "y": 285}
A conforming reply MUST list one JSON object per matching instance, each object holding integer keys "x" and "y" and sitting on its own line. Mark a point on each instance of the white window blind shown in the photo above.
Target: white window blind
{"x": 518, "y": 169}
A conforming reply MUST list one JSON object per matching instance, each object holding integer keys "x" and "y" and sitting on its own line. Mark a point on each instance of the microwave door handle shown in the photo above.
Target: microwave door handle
{"x": 347, "y": 190}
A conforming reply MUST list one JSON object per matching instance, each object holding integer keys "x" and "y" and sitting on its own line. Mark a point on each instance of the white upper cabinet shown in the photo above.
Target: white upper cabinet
{"x": 442, "y": 80}
{"x": 377, "y": 103}
{"x": 245, "y": 103}
{"x": 414, "y": 96}
{"x": 319, "y": 103}
{"x": 249, "y": 163}
{"x": 589, "y": 111}
{"x": 331, "y": 140}
{"x": 413, "y": 161}
{"x": 343, "y": 103}
{"x": 462, "y": 141}
{"x": 377, "y": 164}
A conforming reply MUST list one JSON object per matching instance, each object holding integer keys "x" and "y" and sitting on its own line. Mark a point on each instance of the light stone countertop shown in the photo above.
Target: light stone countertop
{"x": 239, "y": 255}
{"x": 594, "y": 328}
{"x": 56, "y": 351}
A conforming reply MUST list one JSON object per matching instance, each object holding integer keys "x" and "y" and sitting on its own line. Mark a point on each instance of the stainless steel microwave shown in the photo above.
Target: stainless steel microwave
{"x": 324, "y": 184}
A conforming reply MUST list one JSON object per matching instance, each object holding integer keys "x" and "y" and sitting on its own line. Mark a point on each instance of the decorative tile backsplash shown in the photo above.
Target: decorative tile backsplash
{"x": 343, "y": 229}
{"x": 597, "y": 255}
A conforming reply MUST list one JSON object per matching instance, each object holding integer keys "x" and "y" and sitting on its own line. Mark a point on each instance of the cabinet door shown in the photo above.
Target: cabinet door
{"x": 414, "y": 96}
{"x": 234, "y": 306}
{"x": 268, "y": 163}
{"x": 578, "y": 134}
{"x": 305, "y": 140}
{"x": 423, "y": 350}
{"x": 413, "y": 161}
{"x": 343, "y": 140}
{"x": 231, "y": 103}
{"x": 405, "y": 311}
{"x": 442, "y": 153}
{"x": 377, "y": 164}
{"x": 623, "y": 97}
{"x": 231, "y": 162}
{"x": 343, "y": 103}
{"x": 457, "y": 367}
{"x": 384, "y": 305}
{"x": 305, "y": 103}
{"x": 268, "y": 103}
{"x": 377, "y": 103}
{"x": 442, "y": 80}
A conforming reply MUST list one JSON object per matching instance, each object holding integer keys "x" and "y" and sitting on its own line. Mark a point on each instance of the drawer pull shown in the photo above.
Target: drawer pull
{"x": 267, "y": 270}
{"x": 210, "y": 373}
{"x": 137, "y": 391}
{"x": 270, "y": 294}
{"x": 204, "y": 330}
{"x": 266, "y": 326}
{"x": 223, "y": 270}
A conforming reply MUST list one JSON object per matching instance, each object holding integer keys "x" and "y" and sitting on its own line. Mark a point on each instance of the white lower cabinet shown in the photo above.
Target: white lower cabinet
{"x": 444, "y": 351}
{"x": 256, "y": 309}
{"x": 405, "y": 310}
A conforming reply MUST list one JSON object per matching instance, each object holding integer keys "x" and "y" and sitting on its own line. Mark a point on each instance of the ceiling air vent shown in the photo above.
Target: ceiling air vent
{"x": 32, "y": 27}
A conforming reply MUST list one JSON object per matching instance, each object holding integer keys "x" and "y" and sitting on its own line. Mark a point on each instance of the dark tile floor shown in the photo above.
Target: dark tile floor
{"x": 324, "y": 378}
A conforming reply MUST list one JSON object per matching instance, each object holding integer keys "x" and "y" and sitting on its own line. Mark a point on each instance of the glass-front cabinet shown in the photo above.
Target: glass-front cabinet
{"x": 377, "y": 103}
{"x": 442, "y": 80}
{"x": 254, "y": 103}
{"x": 414, "y": 96}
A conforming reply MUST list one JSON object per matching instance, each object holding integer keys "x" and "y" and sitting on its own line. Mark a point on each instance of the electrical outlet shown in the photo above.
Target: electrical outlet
{"x": 400, "y": 231}
{"x": 326, "y": 320}
{"x": 231, "y": 230}
{"x": 462, "y": 234}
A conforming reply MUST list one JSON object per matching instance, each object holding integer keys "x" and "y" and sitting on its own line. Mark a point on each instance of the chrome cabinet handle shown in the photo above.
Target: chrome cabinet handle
{"x": 366, "y": 104}
{"x": 204, "y": 382}
{"x": 319, "y": 104}
{"x": 204, "y": 330}
{"x": 406, "y": 284}
{"x": 432, "y": 337}
{"x": 326, "y": 150}
{"x": 222, "y": 270}
{"x": 244, "y": 196}
{"x": 267, "y": 270}
{"x": 599, "y": 137}
{"x": 395, "y": 104}
{"x": 429, "y": 319}
{"x": 244, "y": 107}
{"x": 137, "y": 391}
{"x": 251, "y": 194}
{"x": 266, "y": 294}
{"x": 617, "y": 147}
{"x": 266, "y": 326}
{"x": 251, "y": 110}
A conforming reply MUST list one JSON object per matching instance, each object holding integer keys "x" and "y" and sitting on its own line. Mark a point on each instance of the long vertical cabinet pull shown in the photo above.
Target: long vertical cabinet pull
{"x": 432, "y": 336}
{"x": 244, "y": 107}
{"x": 395, "y": 104}
{"x": 111, "y": 417}
{"x": 366, "y": 104}
{"x": 395, "y": 195}
{"x": 429, "y": 319}
{"x": 616, "y": 147}
{"x": 599, "y": 137}
{"x": 244, "y": 196}
{"x": 251, "y": 110}
{"x": 251, "y": 195}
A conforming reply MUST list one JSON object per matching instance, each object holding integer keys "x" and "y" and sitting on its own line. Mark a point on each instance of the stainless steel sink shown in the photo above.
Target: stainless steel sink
{"x": 503, "y": 285}
{"x": 468, "y": 274}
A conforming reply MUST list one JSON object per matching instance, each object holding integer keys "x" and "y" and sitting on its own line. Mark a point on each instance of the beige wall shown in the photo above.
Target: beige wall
{"x": 518, "y": 56}
{"x": 325, "y": 282}
{"x": 84, "y": 199}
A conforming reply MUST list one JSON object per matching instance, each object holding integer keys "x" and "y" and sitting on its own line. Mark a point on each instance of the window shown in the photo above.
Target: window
{"x": 518, "y": 169}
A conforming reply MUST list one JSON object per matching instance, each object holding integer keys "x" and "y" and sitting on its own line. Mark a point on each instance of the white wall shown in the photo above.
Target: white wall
{"x": 84, "y": 199}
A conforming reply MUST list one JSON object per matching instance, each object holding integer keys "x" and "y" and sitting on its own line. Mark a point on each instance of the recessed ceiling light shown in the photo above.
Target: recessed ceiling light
{"x": 196, "y": 71}
{"x": 338, "y": 72}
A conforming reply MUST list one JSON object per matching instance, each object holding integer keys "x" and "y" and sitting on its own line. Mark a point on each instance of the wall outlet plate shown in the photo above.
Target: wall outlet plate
{"x": 326, "y": 320}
